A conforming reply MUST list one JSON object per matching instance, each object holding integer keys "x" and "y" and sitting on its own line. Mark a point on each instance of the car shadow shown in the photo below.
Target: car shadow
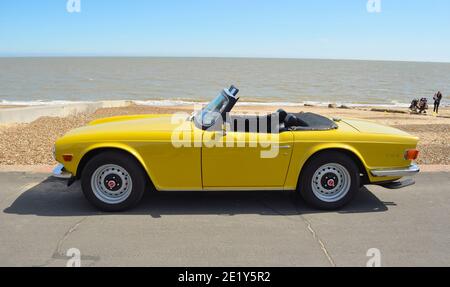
{"x": 53, "y": 198}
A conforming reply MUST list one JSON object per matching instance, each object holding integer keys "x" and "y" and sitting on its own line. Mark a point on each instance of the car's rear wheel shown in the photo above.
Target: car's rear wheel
{"x": 113, "y": 181}
{"x": 329, "y": 181}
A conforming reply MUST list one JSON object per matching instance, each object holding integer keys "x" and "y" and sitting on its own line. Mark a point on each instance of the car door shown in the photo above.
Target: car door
{"x": 255, "y": 160}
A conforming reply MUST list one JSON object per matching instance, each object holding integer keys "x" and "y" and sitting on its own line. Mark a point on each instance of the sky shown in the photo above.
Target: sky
{"x": 405, "y": 30}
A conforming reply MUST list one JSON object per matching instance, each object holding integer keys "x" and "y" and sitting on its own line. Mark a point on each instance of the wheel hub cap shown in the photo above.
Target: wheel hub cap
{"x": 331, "y": 182}
{"x": 111, "y": 184}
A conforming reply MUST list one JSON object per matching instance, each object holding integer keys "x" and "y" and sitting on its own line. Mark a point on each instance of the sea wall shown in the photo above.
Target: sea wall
{"x": 32, "y": 113}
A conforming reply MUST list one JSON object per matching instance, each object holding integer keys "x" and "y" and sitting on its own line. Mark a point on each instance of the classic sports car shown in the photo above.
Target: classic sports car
{"x": 326, "y": 160}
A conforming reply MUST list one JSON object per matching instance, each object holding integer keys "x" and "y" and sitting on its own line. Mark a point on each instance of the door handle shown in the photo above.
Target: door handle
{"x": 285, "y": 147}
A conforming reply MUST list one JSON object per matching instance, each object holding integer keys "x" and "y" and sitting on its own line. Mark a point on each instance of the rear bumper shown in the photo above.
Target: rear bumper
{"x": 60, "y": 172}
{"x": 396, "y": 172}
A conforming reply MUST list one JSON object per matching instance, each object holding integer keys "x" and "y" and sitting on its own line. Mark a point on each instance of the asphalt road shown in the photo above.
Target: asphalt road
{"x": 40, "y": 219}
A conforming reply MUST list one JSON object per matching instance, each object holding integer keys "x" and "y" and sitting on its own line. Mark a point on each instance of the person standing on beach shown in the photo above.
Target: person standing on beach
{"x": 437, "y": 101}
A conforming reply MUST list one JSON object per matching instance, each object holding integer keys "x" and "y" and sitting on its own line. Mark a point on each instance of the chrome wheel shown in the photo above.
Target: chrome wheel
{"x": 111, "y": 184}
{"x": 331, "y": 182}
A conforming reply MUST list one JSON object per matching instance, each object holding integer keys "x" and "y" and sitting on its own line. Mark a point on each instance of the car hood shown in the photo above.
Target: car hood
{"x": 126, "y": 127}
{"x": 159, "y": 120}
{"x": 374, "y": 128}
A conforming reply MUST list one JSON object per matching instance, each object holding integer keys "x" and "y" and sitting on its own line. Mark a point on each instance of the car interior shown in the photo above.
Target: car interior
{"x": 285, "y": 122}
{"x": 278, "y": 122}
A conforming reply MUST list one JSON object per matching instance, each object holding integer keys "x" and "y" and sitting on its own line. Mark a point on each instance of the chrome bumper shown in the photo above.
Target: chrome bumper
{"x": 60, "y": 172}
{"x": 396, "y": 172}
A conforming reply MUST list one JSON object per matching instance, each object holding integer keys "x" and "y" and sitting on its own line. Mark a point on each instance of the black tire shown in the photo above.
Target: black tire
{"x": 130, "y": 165}
{"x": 306, "y": 188}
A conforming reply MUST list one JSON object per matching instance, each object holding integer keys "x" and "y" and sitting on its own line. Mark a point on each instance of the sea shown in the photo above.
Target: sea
{"x": 183, "y": 81}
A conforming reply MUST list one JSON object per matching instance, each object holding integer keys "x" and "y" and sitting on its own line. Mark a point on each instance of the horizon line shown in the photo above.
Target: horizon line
{"x": 220, "y": 57}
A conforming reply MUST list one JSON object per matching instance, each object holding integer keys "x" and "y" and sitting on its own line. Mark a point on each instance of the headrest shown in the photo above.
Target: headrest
{"x": 282, "y": 114}
{"x": 290, "y": 121}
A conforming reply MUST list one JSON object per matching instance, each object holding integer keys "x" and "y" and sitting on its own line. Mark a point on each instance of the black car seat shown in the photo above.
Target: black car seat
{"x": 292, "y": 121}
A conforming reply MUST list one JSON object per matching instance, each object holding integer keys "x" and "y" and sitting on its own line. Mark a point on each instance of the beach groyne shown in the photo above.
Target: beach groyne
{"x": 32, "y": 113}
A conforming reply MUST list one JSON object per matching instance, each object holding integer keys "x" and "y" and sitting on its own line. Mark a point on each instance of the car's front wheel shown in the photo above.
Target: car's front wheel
{"x": 329, "y": 181}
{"x": 113, "y": 181}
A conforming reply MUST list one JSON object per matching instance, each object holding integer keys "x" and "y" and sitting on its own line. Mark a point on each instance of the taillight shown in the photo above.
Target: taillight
{"x": 411, "y": 154}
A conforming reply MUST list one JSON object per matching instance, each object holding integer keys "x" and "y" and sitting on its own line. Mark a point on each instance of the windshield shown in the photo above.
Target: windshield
{"x": 209, "y": 114}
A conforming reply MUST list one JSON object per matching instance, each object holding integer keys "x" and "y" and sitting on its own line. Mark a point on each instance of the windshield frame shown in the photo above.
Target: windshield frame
{"x": 214, "y": 109}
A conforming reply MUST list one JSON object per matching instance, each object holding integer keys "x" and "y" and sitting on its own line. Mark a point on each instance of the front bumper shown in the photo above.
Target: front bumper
{"x": 60, "y": 172}
{"x": 396, "y": 172}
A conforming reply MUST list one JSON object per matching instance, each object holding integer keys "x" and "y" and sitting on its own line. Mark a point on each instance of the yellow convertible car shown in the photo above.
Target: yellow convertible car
{"x": 325, "y": 160}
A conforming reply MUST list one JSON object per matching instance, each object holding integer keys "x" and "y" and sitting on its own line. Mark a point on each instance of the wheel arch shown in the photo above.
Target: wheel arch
{"x": 354, "y": 155}
{"x": 98, "y": 149}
